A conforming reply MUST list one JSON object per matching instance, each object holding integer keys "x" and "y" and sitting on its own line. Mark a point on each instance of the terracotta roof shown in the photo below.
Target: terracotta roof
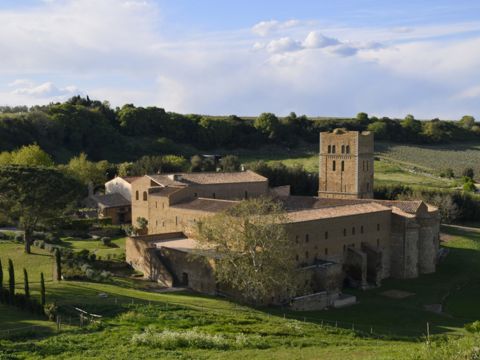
{"x": 111, "y": 200}
{"x": 335, "y": 211}
{"x": 204, "y": 178}
{"x": 208, "y": 205}
{"x": 164, "y": 191}
{"x": 307, "y": 202}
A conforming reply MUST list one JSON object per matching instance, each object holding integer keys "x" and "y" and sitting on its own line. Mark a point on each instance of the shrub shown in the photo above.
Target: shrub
{"x": 106, "y": 241}
{"x": 39, "y": 243}
{"x": 51, "y": 311}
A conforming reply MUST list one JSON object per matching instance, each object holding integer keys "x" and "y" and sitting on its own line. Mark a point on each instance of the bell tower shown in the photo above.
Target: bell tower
{"x": 346, "y": 164}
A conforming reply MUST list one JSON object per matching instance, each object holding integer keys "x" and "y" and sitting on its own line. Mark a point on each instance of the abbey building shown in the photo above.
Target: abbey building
{"x": 342, "y": 236}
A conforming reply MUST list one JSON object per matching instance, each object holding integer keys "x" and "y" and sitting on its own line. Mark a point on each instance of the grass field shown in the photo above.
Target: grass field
{"x": 95, "y": 246}
{"x": 224, "y": 329}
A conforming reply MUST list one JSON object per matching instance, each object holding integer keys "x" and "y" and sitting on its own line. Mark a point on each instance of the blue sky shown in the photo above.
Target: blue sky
{"x": 334, "y": 58}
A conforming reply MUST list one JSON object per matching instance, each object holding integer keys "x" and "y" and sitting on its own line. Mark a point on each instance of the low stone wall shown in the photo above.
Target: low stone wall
{"x": 312, "y": 302}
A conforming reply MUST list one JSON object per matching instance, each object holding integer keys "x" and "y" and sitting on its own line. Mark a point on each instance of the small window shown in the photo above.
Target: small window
{"x": 176, "y": 220}
{"x": 213, "y": 195}
{"x": 361, "y": 229}
{"x": 326, "y": 251}
{"x": 333, "y": 149}
{"x": 344, "y": 232}
{"x": 343, "y": 149}
{"x": 307, "y": 238}
{"x": 353, "y": 230}
{"x": 156, "y": 204}
{"x": 329, "y": 149}
{"x": 144, "y": 196}
{"x": 296, "y": 239}
{"x": 326, "y": 234}
{"x": 348, "y": 149}
{"x": 137, "y": 196}
{"x": 246, "y": 194}
{"x": 195, "y": 195}
{"x": 343, "y": 165}
{"x": 156, "y": 222}
{"x": 163, "y": 223}
{"x": 334, "y": 165}
{"x": 378, "y": 227}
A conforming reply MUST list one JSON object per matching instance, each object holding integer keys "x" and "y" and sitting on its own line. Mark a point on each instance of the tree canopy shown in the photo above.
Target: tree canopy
{"x": 32, "y": 195}
{"x": 255, "y": 256}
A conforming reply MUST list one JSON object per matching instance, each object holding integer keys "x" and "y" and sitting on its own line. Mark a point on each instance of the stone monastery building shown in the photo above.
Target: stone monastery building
{"x": 341, "y": 236}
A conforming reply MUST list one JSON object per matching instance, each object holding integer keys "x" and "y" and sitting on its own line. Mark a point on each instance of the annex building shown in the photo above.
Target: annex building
{"x": 342, "y": 236}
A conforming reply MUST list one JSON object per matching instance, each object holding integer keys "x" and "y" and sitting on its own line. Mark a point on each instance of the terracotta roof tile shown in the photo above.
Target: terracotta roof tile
{"x": 335, "y": 211}
{"x": 203, "y": 178}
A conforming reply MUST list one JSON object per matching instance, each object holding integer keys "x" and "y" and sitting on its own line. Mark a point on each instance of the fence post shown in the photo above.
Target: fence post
{"x": 428, "y": 333}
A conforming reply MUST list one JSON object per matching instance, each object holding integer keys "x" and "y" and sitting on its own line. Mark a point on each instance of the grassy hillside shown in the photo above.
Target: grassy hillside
{"x": 148, "y": 324}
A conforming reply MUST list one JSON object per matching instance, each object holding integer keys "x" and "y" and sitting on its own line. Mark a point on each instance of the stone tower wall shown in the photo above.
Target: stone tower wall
{"x": 346, "y": 164}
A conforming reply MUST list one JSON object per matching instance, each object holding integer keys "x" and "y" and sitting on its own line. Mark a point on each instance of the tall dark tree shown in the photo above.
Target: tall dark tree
{"x": 31, "y": 195}
{"x": 11, "y": 281}
{"x": 58, "y": 265}
{"x": 25, "y": 283}
{"x": 42, "y": 289}
{"x": 1, "y": 281}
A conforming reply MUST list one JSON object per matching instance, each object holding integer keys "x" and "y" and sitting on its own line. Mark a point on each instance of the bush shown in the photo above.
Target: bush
{"x": 106, "y": 241}
{"x": 109, "y": 231}
{"x": 51, "y": 311}
{"x": 52, "y": 238}
{"x": 39, "y": 243}
{"x": 18, "y": 236}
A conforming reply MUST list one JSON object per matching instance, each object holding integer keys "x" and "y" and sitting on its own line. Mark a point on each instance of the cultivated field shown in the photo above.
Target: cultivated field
{"x": 148, "y": 324}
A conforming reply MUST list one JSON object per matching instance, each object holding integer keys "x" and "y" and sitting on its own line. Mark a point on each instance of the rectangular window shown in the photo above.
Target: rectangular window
{"x": 307, "y": 238}
{"x": 378, "y": 227}
{"x": 176, "y": 220}
{"x": 156, "y": 204}
{"x": 334, "y": 165}
{"x": 296, "y": 239}
{"x": 343, "y": 165}
{"x": 353, "y": 230}
{"x": 344, "y": 232}
{"x": 361, "y": 229}
{"x": 326, "y": 234}
{"x": 213, "y": 195}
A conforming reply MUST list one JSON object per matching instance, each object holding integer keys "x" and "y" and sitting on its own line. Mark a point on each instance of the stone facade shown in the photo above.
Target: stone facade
{"x": 346, "y": 164}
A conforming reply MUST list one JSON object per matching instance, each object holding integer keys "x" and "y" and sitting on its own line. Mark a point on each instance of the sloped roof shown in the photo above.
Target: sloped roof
{"x": 208, "y": 205}
{"x": 307, "y": 202}
{"x": 335, "y": 211}
{"x": 206, "y": 178}
{"x": 111, "y": 200}
{"x": 130, "y": 179}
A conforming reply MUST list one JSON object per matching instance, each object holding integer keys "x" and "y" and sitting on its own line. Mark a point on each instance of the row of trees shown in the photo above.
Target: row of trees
{"x": 24, "y": 301}
{"x": 127, "y": 133}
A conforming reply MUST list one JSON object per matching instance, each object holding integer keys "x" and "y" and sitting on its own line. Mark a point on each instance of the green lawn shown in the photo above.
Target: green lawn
{"x": 128, "y": 311}
{"x": 95, "y": 246}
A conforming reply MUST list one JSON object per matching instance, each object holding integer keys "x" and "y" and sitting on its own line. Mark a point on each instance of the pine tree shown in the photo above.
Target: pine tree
{"x": 25, "y": 283}
{"x": 11, "y": 281}
{"x": 42, "y": 289}
{"x": 58, "y": 264}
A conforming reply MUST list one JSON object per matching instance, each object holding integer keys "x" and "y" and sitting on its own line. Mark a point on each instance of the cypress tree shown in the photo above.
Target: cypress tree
{"x": 25, "y": 283}
{"x": 58, "y": 264}
{"x": 42, "y": 289}
{"x": 1, "y": 282}
{"x": 11, "y": 281}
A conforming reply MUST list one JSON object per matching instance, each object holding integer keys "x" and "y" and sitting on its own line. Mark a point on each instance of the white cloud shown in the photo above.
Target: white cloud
{"x": 315, "y": 40}
{"x": 284, "y": 44}
{"x": 265, "y": 28}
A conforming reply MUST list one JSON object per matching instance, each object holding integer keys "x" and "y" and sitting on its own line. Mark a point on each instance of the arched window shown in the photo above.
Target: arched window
{"x": 348, "y": 149}
{"x": 334, "y": 165}
{"x": 144, "y": 196}
{"x": 343, "y": 165}
{"x": 333, "y": 149}
{"x": 137, "y": 195}
{"x": 329, "y": 149}
{"x": 343, "y": 149}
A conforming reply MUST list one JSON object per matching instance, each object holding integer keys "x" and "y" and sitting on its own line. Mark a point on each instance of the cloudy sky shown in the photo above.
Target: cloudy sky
{"x": 314, "y": 57}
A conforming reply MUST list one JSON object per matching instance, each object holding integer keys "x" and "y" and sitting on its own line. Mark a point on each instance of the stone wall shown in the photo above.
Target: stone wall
{"x": 189, "y": 271}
